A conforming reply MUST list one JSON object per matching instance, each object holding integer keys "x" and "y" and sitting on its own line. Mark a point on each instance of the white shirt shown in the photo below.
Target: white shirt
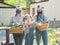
{"x": 16, "y": 20}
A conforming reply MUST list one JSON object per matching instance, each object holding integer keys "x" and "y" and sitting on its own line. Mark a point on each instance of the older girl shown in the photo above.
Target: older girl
{"x": 41, "y": 17}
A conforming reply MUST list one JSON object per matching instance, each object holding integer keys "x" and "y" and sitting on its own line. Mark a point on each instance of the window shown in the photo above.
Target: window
{"x": 36, "y": 1}
{"x": 33, "y": 11}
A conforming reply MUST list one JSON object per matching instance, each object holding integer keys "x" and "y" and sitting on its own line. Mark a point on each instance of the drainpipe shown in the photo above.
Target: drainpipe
{"x": 55, "y": 23}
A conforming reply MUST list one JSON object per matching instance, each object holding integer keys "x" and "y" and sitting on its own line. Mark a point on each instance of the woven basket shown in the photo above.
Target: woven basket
{"x": 17, "y": 30}
{"x": 42, "y": 27}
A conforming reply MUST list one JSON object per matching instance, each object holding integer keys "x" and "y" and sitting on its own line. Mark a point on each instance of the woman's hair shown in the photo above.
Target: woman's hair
{"x": 40, "y": 12}
{"x": 18, "y": 11}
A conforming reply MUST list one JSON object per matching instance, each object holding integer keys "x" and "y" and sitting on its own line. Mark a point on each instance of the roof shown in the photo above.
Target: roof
{"x": 39, "y": 1}
{"x": 5, "y": 5}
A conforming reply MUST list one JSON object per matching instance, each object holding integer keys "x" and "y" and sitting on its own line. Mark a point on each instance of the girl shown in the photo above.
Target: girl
{"x": 41, "y": 17}
{"x": 29, "y": 30}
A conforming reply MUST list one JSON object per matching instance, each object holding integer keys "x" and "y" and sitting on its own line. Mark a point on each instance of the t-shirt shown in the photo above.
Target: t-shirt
{"x": 15, "y": 20}
{"x": 42, "y": 18}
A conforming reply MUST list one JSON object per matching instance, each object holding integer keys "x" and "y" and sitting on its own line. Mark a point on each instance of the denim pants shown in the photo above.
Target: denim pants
{"x": 18, "y": 38}
{"x": 44, "y": 36}
{"x": 29, "y": 37}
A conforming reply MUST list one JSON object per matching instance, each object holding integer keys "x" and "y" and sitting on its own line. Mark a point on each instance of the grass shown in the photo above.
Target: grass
{"x": 51, "y": 37}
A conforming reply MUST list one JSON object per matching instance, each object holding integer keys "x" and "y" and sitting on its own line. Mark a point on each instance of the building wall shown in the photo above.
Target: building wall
{"x": 6, "y": 14}
{"x": 25, "y": 11}
{"x": 51, "y": 9}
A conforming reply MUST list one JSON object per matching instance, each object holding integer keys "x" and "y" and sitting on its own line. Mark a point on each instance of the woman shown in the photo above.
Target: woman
{"x": 14, "y": 20}
{"x": 41, "y": 17}
{"x": 29, "y": 30}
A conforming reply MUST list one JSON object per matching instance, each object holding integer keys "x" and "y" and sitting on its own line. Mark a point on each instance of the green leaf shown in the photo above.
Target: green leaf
{"x": 23, "y": 3}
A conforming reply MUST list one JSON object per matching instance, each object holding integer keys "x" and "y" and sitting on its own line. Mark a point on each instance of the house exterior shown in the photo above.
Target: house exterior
{"x": 50, "y": 9}
{"x": 6, "y": 12}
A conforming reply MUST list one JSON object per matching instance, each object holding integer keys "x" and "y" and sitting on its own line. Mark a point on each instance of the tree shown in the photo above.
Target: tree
{"x": 23, "y": 3}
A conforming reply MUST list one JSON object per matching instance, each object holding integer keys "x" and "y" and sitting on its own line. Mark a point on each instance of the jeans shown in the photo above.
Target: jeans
{"x": 29, "y": 37}
{"x": 44, "y": 36}
{"x": 18, "y": 38}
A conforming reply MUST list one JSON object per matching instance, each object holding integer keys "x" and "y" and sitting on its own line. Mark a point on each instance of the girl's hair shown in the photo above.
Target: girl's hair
{"x": 38, "y": 6}
{"x": 41, "y": 12}
{"x": 25, "y": 18}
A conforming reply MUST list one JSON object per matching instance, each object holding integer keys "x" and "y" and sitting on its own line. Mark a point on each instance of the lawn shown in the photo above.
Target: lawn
{"x": 51, "y": 37}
